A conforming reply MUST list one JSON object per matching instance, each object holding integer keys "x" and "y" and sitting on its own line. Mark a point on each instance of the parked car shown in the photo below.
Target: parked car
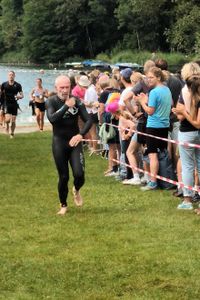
{"x": 89, "y": 62}
{"x": 73, "y": 65}
{"x": 96, "y": 64}
{"x": 101, "y": 66}
{"x": 133, "y": 66}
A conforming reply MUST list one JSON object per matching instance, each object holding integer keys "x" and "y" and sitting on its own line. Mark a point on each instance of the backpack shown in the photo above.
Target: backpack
{"x": 112, "y": 97}
{"x": 165, "y": 170}
{"x": 106, "y": 132}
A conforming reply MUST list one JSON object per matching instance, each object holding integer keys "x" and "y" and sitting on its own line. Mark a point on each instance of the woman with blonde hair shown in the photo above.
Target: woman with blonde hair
{"x": 188, "y": 112}
{"x": 157, "y": 106}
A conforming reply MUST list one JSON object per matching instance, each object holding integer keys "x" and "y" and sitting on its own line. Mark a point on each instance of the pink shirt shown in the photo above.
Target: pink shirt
{"x": 78, "y": 92}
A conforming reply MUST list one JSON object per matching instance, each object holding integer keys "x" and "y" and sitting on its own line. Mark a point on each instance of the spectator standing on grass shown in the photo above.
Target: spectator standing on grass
{"x": 140, "y": 85}
{"x": 91, "y": 103}
{"x": 126, "y": 127}
{"x": 188, "y": 112}
{"x": 175, "y": 85}
{"x": 107, "y": 88}
{"x": 125, "y": 77}
{"x": 188, "y": 70}
{"x": 157, "y": 106}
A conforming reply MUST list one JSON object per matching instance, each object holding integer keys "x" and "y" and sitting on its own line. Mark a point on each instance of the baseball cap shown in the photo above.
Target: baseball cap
{"x": 126, "y": 73}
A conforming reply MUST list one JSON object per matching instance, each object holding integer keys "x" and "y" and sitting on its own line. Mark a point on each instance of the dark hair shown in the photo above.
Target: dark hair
{"x": 72, "y": 81}
{"x": 161, "y": 63}
{"x": 127, "y": 79}
{"x": 40, "y": 79}
{"x": 93, "y": 79}
{"x": 82, "y": 73}
{"x": 193, "y": 84}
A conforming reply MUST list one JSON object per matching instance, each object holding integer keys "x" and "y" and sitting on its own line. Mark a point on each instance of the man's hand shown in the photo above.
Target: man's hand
{"x": 75, "y": 140}
{"x": 70, "y": 102}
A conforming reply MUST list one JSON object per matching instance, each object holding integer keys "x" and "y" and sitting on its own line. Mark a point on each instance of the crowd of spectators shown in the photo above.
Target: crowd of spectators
{"x": 157, "y": 103}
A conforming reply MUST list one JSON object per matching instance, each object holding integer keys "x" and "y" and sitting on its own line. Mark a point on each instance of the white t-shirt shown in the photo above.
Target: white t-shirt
{"x": 123, "y": 94}
{"x": 90, "y": 98}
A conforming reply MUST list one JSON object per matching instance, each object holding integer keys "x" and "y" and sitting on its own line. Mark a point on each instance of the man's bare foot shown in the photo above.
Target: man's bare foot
{"x": 197, "y": 211}
{"x": 77, "y": 197}
{"x": 62, "y": 211}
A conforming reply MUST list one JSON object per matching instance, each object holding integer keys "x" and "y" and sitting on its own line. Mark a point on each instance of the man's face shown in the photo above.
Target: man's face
{"x": 11, "y": 76}
{"x": 63, "y": 87}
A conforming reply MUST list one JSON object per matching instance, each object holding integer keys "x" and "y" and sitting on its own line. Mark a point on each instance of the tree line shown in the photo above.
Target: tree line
{"x": 54, "y": 30}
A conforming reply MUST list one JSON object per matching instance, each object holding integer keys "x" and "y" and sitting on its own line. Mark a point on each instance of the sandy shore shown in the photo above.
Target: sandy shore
{"x": 27, "y": 129}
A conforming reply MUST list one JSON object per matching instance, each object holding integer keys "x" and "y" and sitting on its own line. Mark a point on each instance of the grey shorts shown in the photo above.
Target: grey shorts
{"x": 173, "y": 135}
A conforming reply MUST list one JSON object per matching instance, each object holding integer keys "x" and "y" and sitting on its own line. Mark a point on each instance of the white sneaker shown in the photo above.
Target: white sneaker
{"x": 111, "y": 174}
{"x": 133, "y": 181}
{"x": 144, "y": 180}
{"x": 125, "y": 181}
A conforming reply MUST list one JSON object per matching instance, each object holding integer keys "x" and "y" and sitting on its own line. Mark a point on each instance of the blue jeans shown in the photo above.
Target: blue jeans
{"x": 190, "y": 159}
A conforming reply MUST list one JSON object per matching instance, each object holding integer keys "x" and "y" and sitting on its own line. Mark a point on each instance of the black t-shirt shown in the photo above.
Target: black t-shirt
{"x": 102, "y": 99}
{"x": 8, "y": 92}
{"x": 175, "y": 85}
{"x": 65, "y": 119}
{"x": 141, "y": 87}
{"x": 104, "y": 95}
{"x": 185, "y": 125}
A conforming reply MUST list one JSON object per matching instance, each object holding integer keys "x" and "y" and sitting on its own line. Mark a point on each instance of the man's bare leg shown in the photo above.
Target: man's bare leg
{"x": 7, "y": 122}
{"x": 13, "y": 126}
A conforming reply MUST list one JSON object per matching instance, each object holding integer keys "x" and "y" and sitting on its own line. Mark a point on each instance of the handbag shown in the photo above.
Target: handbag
{"x": 106, "y": 132}
{"x": 165, "y": 170}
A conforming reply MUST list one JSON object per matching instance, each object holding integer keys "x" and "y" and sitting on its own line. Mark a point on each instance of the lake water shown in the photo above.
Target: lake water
{"x": 27, "y": 78}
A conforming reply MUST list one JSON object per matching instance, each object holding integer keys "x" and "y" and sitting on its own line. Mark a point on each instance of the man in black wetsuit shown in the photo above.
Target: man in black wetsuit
{"x": 11, "y": 92}
{"x": 63, "y": 111}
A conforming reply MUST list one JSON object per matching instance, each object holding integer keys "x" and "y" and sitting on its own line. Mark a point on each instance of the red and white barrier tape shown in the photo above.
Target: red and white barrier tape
{"x": 88, "y": 140}
{"x": 180, "y": 184}
{"x": 159, "y": 138}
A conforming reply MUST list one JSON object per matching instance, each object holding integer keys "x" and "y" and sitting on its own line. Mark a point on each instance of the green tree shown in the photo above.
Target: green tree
{"x": 184, "y": 33}
{"x": 40, "y": 36}
{"x": 88, "y": 27}
{"x": 144, "y": 23}
{"x": 11, "y": 21}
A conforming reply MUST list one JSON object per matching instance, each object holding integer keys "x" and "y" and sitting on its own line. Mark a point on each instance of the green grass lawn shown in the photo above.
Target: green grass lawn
{"x": 123, "y": 243}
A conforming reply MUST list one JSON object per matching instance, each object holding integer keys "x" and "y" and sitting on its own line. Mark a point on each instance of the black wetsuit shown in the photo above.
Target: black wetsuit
{"x": 8, "y": 93}
{"x": 65, "y": 126}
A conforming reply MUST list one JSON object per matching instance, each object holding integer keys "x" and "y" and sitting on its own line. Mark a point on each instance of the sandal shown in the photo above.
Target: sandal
{"x": 107, "y": 171}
